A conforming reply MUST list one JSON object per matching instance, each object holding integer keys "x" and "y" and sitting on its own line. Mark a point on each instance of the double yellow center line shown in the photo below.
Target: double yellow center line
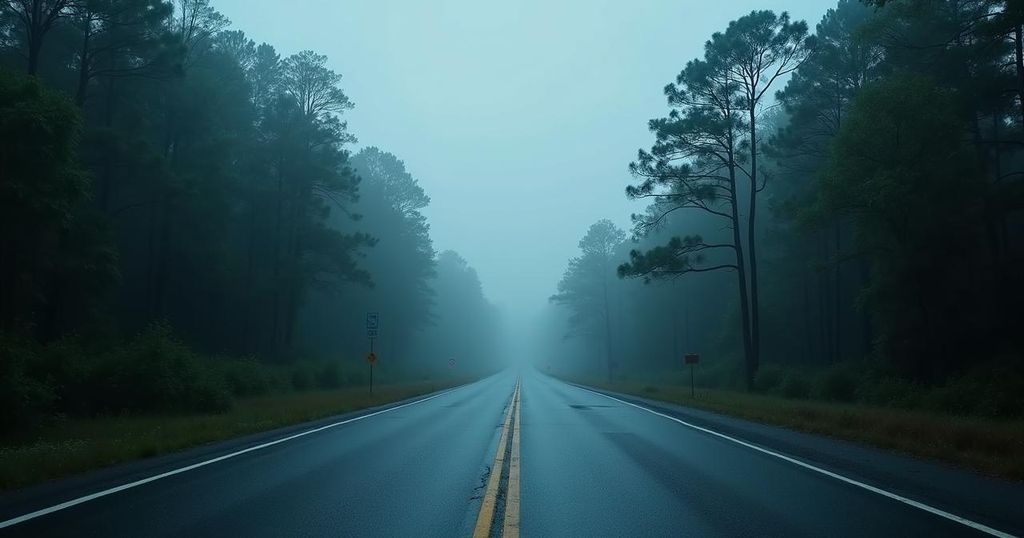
{"x": 509, "y": 434}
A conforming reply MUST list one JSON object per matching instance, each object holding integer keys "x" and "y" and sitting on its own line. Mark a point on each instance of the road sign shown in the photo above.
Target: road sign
{"x": 371, "y": 357}
{"x": 372, "y": 324}
{"x": 692, "y": 359}
{"x": 451, "y": 363}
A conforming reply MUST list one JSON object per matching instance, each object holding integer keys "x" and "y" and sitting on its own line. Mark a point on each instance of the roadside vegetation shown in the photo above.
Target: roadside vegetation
{"x": 975, "y": 421}
{"x": 70, "y": 409}
{"x": 68, "y": 445}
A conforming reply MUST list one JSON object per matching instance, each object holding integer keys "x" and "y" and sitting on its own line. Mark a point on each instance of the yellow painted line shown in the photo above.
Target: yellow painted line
{"x": 510, "y": 528}
{"x": 485, "y": 519}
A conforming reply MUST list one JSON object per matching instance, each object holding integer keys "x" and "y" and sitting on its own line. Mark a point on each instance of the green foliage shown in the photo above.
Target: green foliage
{"x": 301, "y": 378}
{"x": 155, "y": 372}
{"x": 50, "y": 249}
{"x": 247, "y": 377}
{"x": 900, "y": 167}
{"x": 329, "y": 376}
{"x": 24, "y": 398}
{"x": 836, "y": 384}
{"x": 769, "y": 378}
{"x": 795, "y": 386}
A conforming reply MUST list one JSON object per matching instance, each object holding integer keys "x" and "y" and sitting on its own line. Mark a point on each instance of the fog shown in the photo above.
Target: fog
{"x": 518, "y": 118}
{"x": 420, "y": 267}
{"x": 814, "y": 197}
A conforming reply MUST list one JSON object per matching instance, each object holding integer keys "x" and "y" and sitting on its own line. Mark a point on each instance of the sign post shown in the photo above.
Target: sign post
{"x": 692, "y": 359}
{"x": 372, "y": 326}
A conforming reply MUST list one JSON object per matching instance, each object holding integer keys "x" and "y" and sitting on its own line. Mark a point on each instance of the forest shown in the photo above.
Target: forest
{"x": 832, "y": 212}
{"x": 184, "y": 221}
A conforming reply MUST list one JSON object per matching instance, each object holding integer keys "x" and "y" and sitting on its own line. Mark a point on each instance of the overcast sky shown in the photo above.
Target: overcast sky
{"x": 517, "y": 117}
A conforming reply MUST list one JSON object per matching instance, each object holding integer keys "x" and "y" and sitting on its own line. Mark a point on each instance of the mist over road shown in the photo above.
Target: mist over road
{"x": 591, "y": 465}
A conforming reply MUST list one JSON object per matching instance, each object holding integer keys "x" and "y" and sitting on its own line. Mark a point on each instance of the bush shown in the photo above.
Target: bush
{"x": 329, "y": 376}
{"x": 24, "y": 399}
{"x": 889, "y": 392}
{"x": 157, "y": 373}
{"x": 990, "y": 390}
{"x": 246, "y": 377}
{"x": 836, "y": 384}
{"x": 301, "y": 380}
{"x": 795, "y": 386}
{"x": 768, "y": 378}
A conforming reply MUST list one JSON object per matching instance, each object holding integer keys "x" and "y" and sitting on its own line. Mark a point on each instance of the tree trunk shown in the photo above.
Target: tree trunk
{"x": 741, "y": 275}
{"x": 808, "y": 343}
{"x": 607, "y": 332}
{"x": 865, "y": 279}
{"x": 247, "y": 285}
{"x": 276, "y": 303}
{"x": 837, "y": 294}
{"x": 83, "y": 64}
{"x": 824, "y": 326}
{"x": 755, "y": 318}
{"x": 35, "y": 46}
{"x": 1018, "y": 41}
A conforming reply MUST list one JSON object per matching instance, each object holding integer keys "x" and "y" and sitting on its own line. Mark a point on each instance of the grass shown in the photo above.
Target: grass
{"x": 73, "y": 445}
{"x": 989, "y": 446}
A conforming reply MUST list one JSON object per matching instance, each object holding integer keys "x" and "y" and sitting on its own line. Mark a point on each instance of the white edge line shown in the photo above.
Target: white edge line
{"x": 122, "y": 487}
{"x": 919, "y": 505}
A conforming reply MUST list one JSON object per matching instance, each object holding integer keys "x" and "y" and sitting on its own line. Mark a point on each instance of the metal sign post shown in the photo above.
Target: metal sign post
{"x": 692, "y": 359}
{"x": 372, "y": 326}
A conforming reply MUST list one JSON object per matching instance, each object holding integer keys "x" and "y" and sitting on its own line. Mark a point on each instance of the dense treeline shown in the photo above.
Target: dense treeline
{"x": 837, "y": 211}
{"x": 174, "y": 190}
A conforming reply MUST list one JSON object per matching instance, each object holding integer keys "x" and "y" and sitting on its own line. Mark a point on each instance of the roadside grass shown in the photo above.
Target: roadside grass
{"x": 72, "y": 445}
{"x": 989, "y": 446}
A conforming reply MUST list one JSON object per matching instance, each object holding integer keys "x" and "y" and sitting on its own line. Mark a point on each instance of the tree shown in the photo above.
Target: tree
{"x": 37, "y": 18}
{"x": 694, "y": 166}
{"x": 584, "y": 286}
{"x": 305, "y": 141}
{"x": 122, "y": 38}
{"x": 708, "y": 140}
{"x": 816, "y": 100}
{"x": 402, "y": 260}
{"x": 314, "y": 87}
{"x": 44, "y": 221}
{"x": 757, "y": 50}
{"x": 901, "y": 169}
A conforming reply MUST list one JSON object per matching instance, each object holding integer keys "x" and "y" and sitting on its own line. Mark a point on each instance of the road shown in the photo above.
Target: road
{"x": 580, "y": 463}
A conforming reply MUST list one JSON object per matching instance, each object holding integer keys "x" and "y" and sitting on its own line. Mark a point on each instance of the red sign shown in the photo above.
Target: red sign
{"x": 692, "y": 358}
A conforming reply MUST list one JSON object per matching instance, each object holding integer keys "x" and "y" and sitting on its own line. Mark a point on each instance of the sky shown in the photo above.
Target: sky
{"x": 519, "y": 118}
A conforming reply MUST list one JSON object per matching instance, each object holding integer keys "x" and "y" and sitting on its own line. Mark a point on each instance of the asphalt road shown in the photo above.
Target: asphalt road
{"x": 591, "y": 465}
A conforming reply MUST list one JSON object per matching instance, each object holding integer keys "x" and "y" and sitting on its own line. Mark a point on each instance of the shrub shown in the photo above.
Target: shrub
{"x": 246, "y": 377}
{"x": 768, "y": 377}
{"x": 796, "y": 386}
{"x": 836, "y": 384}
{"x": 24, "y": 399}
{"x": 329, "y": 376}
{"x": 889, "y": 392}
{"x": 157, "y": 373}
{"x": 301, "y": 378}
{"x": 989, "y": 390}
